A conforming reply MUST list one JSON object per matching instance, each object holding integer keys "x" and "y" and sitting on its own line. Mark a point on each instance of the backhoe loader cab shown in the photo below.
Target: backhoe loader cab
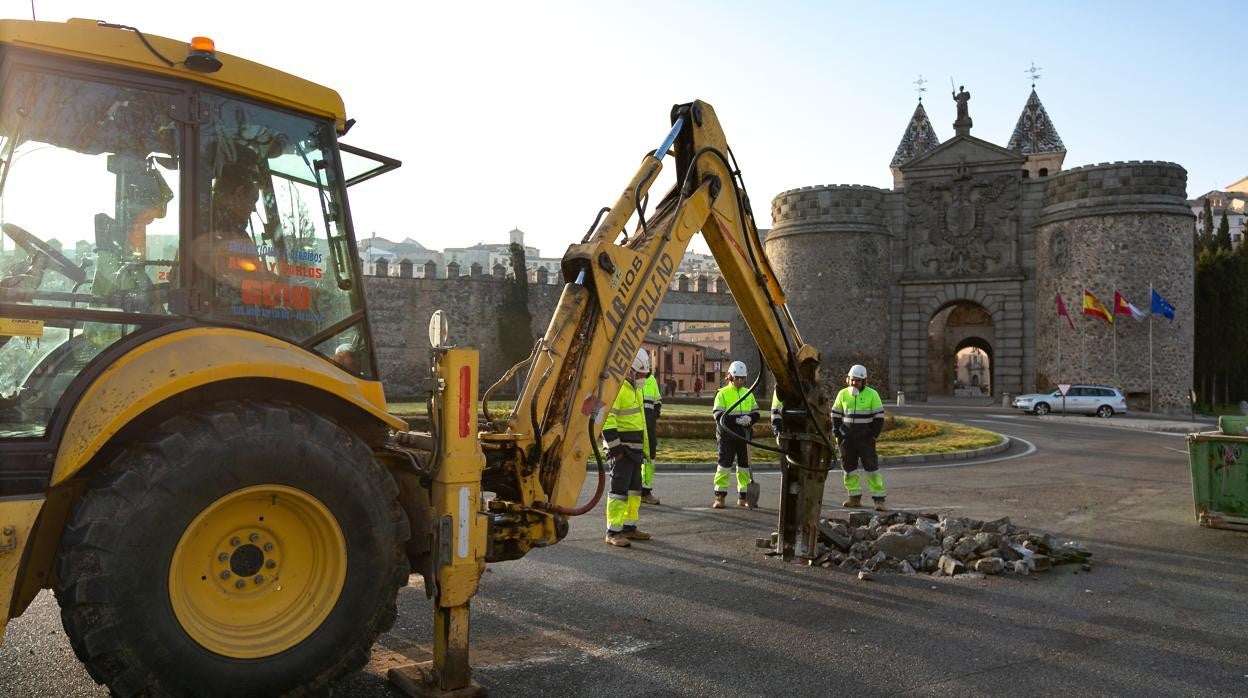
{"x": 189, "y": 404}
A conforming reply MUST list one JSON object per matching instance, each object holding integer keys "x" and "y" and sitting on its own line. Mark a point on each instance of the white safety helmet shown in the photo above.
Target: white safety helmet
{"x": 641, "y": 362}
{"x": 857, "y": 371}
{"x": 737, "y": 369}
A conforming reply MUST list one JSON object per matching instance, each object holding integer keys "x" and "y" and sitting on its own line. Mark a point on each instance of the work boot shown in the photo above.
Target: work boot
{"x": 743, "y": 502}
{"x": 618, "y": 540}
{"x": 855, "y": 501}
{"x": 719, "y": 500}
{"x": 879, "y": 503}
{"x": 636, "y": 534}
{"x": 647, "y": 497}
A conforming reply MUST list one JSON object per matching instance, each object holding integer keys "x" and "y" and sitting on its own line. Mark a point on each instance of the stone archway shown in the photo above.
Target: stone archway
{"x": 956, "y": 327}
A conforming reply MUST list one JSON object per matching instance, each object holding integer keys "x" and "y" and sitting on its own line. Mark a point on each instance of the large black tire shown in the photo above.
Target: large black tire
{"x": 1041, "y": 408}
{"x": 115, "y": 579}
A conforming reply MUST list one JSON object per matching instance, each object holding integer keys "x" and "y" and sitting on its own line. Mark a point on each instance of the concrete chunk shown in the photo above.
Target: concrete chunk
{"x": 990, "y": 565}
{"x": 902, "y": 545}
{"x": 950, "y": 565}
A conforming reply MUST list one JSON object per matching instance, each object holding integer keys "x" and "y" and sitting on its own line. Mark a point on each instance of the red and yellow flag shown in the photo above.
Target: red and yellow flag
{"x": 1093, "y": 307}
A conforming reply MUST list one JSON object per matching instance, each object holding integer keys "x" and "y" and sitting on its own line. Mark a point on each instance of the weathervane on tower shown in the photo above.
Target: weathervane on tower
{"x": 1034, "y": 72}
{"x": 920, "y": 89}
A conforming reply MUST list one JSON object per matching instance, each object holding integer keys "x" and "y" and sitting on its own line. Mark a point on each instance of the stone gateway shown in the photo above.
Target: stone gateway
{"x": 973, "y": 246}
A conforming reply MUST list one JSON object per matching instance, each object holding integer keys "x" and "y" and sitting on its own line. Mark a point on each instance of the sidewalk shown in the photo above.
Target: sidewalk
{"x": 1168, "y": 425}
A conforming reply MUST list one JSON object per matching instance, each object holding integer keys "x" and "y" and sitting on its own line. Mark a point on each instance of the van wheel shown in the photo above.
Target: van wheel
{"x": 1041, "y": 408}
{"x": 249, "y": 549}
{"x": 1105, "y": 411}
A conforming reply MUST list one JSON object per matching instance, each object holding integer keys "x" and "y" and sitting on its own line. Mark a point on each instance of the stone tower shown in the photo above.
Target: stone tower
{"x": 830, "y": 249}
{"x": 1035, "y": 137}
{"x": 1122, "y": 227}
{"x": 919, "y": 139}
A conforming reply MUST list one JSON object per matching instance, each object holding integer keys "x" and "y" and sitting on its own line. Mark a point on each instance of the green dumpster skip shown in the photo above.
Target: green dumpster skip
{"x": 1219, "y": 461}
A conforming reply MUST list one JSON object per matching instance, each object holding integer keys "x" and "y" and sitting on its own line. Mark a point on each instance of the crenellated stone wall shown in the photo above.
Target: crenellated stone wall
{"x": 400, "y": 308}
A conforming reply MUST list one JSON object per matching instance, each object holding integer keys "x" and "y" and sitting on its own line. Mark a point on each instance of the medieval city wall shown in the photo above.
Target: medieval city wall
{"x": 400, "y": 308}
{"x": 1117, "y": 226}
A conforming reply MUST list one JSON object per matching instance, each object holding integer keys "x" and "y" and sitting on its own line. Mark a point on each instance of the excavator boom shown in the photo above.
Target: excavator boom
{"x": 615, "y": 283}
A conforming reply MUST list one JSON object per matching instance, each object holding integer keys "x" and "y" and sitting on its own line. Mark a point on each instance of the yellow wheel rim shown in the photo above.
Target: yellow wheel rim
{"x": 257, "y": 571}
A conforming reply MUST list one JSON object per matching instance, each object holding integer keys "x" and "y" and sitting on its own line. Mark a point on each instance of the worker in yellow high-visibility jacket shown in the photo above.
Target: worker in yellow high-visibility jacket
{"x": 858, "y": 420}
{"x": 654, "y": 407}
{"x": 735, "y": 410}
{"x": 624, "y": 434}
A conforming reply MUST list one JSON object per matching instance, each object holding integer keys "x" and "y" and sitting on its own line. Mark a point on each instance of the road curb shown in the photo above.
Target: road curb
{"x": 661, "y": 466}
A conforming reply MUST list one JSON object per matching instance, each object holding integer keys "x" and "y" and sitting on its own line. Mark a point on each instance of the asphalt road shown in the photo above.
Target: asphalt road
{"x": 699, "y": 611}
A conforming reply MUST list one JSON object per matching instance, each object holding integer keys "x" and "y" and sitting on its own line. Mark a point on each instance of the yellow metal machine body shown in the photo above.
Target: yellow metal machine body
{"x": 191, "y": 419}
{"x": 615, "y": 284}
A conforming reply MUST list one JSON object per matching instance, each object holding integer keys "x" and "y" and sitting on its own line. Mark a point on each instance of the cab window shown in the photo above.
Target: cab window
{"x": 88, "y": 193}
{"x": 271, "y": 247}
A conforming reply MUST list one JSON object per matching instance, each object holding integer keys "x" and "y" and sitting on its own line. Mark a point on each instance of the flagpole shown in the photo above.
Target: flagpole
{"x": 1113, "y": 327}
{"x": 1058, "y": 377}
{"x": 1150, "y": 346}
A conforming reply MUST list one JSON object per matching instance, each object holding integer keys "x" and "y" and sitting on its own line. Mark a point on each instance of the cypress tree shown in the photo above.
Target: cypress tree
{"x": 1223, "y": 239}
{"x": 515, "y": 334}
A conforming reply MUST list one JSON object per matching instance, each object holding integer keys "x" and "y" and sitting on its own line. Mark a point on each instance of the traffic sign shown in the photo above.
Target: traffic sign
{"x": 1063, "y": 388}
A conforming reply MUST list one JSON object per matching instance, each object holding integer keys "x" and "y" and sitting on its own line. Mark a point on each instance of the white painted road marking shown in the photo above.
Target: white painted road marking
{"x": 1012, "y": 424}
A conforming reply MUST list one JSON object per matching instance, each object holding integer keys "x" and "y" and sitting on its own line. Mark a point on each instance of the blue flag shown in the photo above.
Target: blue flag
{"x": 1161, "y": 306}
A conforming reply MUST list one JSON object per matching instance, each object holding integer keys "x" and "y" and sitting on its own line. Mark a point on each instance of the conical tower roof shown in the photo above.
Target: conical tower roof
{"x": 1034, "y": 133}
{"x": 918, "y": 139}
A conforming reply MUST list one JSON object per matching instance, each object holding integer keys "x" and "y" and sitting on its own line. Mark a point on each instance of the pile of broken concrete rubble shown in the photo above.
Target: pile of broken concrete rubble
{"x": 941, "y": 545}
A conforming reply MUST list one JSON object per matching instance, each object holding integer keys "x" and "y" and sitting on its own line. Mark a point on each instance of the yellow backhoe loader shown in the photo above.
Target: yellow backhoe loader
{"x": 195, "y": 448}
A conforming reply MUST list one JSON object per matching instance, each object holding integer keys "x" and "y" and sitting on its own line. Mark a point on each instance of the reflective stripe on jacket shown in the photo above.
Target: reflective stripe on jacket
{"x": 728, "y": 395}
{"x": 652, "y": 395}
{"x": 625, "y": 424}
{"x": 858, "y": 416}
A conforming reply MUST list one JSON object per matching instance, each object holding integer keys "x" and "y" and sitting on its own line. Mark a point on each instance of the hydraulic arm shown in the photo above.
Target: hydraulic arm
{"x": 615, "y": 283}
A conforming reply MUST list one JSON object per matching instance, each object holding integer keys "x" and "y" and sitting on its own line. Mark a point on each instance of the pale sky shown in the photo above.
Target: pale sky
{"x": 536, "y": 114}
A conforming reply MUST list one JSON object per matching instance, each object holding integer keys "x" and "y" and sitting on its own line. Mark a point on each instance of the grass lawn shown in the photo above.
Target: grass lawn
{"x": 907, "y": 437}
{"x": 903, "y": 436}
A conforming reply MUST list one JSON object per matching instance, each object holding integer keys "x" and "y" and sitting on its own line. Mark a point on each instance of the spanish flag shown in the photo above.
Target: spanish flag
{"x": 1093, "y": 307}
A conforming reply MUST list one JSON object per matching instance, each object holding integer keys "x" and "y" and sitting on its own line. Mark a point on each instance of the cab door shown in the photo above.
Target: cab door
{"x": 90, "y": 184}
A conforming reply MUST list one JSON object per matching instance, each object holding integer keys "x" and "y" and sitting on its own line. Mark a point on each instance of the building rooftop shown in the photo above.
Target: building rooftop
{"x": 1035, "y": 133}
{"x": 918, "y": 139}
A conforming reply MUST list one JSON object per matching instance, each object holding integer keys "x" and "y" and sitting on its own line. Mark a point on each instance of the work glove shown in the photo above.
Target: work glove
{"x": 743, "y": 420}
{"x": 775, "y": 427}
